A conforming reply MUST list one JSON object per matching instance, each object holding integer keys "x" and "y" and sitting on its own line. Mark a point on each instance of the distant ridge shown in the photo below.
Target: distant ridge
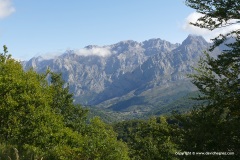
{"x": 133, "y": 72}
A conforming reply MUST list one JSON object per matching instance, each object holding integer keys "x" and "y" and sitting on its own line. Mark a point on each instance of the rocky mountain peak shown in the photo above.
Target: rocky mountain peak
{"x": 157, "y": 42}
{"x": 129, "y": 66}
{"x": 194, "y": 40}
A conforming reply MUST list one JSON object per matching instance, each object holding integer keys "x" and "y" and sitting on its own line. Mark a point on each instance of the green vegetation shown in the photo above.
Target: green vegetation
{"x": 160, "y": 100}
{"x": 38, "y": 119}
{"x": 214, "y": 126}
{"x": 149, "y": 139}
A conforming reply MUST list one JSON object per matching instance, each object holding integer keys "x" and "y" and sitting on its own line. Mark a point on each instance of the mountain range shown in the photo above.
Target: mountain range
{"x": 129, "y": 77}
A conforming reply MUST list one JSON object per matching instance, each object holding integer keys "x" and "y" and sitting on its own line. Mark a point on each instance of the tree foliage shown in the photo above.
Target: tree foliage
{"x": 214, "y": 126}
{"x": 216, "y": 13}
{"x": 152, "y": 139}
{"x": 62, "y": 103}
{"x": 39, "y": 119}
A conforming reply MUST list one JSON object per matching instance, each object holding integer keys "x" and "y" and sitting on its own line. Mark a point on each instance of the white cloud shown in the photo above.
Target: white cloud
{"x": 98, "y": 51}
{"x": 207, "y": 34}
{"x": 48, "y": 56}
{"x": 6, "y": 8}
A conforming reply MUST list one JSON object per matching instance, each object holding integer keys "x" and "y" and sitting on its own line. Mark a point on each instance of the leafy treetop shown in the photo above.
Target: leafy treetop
{"x": 217, "y": 13}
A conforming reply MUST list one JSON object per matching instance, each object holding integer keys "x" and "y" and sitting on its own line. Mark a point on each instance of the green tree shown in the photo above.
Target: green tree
{"x": 27, "y": 121}
{"x": 152, "y": 139}
{"x": 214, "y": 126}
{"x": 39, "y": 120}
{"x": 216, "y": 13}
{"x": 62, "y": 103}
{"x": 101, "y": 142}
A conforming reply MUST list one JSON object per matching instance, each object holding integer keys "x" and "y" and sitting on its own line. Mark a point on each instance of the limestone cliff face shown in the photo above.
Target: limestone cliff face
{"x": 128, "y": 66}
{"x": 161, "y": 68}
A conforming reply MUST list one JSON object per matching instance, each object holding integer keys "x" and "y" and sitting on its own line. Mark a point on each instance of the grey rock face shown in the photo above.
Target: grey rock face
{"x": 162, "y": 68}
{"x": 130, "y": 67}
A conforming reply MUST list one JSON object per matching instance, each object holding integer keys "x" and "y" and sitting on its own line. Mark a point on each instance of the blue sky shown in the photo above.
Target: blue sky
{"x": 34, "y": 27}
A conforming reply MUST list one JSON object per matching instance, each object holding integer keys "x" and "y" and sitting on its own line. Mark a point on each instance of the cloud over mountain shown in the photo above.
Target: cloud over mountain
{"x": 98, "y": 74}
{"x": 87, "y": 51}
{"x": 95, "y": 50}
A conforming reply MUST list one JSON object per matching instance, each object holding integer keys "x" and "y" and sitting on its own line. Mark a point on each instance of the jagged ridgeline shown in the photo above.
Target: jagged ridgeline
{"x": 133, "y": 78}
